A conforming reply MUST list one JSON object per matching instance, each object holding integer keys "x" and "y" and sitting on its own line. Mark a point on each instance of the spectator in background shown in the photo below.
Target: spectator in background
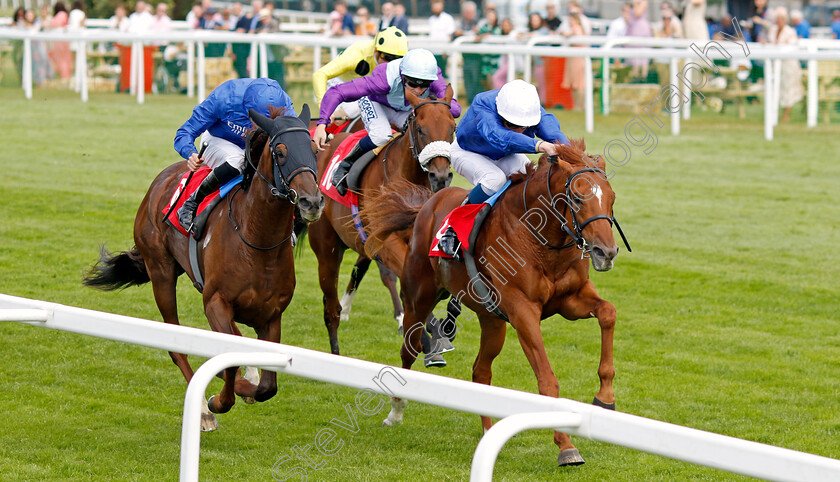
{"x": 208, "y": 19}
{"x": 341, "y": 22}
{"x": 574, "y": 76}
{"x": 161, "y": 21}
{"x": 552, "y": 21}
{"x": 728, "y": 28}
{"x": 119, "y": 21}
{"x": 803, "y": 28}
{"x": 835, "y": 24}
{"x": 276, "y": 53}
{"x": 227, "y": 22}
{"x": 141, "y": 20}
{"x": 638, "y": 26}
{"x": 537, "y": 27}
{"x": 247, "y": 24}
{"x": 77, "y": 16}
{"x": 365, "y": 27}
{"x": 694, "y": 20}
{"x": 468, "y": 25}
{"x": 760, "y": 22}
{"x": 441, "y": 28}
{"x": 489, "y": 63}
{"x": 194, "y": 16}
{"x": 267, "y": 22}
{"x": 665, "y": 28}
{"x": 59, "y": 53}
{"x": 575, "y": 10}
{"x": 236, "y": 13}
{"x": 386, "y": 19}
{"x": 675, "y": 20}
{"x": 500, "y": 76}
{"x": 618, "y": 27}
{"x": 790, "y": 90}
{"x": 400, "y": 20}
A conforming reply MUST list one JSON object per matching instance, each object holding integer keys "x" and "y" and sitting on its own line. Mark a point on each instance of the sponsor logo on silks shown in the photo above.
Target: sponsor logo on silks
{"x": 237, "y": 129}
{"x": 177, "y": 193}
{"x": 368, "y": 112}
{"x": 326, "y": 181}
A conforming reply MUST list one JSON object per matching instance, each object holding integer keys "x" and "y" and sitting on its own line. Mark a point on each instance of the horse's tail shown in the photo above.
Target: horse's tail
{"x": 394, "y": 208}
{"x": 112, "y": 272}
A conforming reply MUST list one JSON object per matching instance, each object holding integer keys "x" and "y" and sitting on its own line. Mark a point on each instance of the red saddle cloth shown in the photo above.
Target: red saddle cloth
{"x": 190, "y": 188}
{"x": 462, "y": 220}
{"x": 349, "y": 199}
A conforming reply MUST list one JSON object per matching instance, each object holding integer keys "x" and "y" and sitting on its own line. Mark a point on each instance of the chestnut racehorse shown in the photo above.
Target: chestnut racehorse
{"x": 530, "y": 258}
{"x": 246, "y": 253}
{"x": 430, "y": 121}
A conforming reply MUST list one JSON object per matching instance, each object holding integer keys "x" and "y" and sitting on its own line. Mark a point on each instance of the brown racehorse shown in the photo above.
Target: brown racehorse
{"x": 246, "y": 254}
{"x": 429, "y": 121}
{"x": 530, "y": 259}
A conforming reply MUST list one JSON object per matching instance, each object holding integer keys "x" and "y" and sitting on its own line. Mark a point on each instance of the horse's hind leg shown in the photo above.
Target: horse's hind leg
{"x": 389, "y": 279}
{"x": 163, "y": 273}
{"x": 329, "y": 250}
{"x": 356, "y": 276}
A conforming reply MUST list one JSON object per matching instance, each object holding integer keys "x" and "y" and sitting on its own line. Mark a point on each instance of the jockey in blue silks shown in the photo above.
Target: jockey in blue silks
{"x": 382, "y": 101}
{"x": 497, "y": 131}
{"x": 222, "y": 122}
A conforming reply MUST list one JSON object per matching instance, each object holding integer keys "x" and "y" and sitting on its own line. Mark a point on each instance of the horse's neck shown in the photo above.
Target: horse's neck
{"x": 262, "y": 218}
{"x": 401, "y": 162}
{"x": 514, "y": 215}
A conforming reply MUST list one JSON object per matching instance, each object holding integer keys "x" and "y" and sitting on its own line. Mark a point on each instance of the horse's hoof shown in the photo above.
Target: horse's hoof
{"x": 208, "y": 422}
{"x": 249, "y": 400}
{"x": 598, "y": 403}
{"x": 212, "y": 408}
{"x": 344, "y": 317}
{"x": 569, "y": 457}
{"x": 389, "y": 423}
{"x": 434, "y": 361}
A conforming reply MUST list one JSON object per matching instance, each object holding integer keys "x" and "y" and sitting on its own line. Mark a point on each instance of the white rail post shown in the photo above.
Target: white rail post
{"x": 686, "y": 110}
{"x": 494, "y": 439}
{"x": 605, "y": 86}
{"x": 316, "y": 58}
{"x": 768, "y": 100}
{"x": 201, "y": 73}
{"x": 141, "y": 73}
{"x": 263, "y": 60}
{"x": 26, "y": 74}
{"x": 588, "y": 101}
{"x": 194, "y": 398}
{"x": 511, "y": 72}
{"x": 132, "y": 71}
{"x": 252, "y": 61}
{"x": 82, "y": 55}
{"x": 190, "y": 69}
{"x": 777, "y": 90}
{"x": 813, "y": 94}
{"x": 675, "y": 114}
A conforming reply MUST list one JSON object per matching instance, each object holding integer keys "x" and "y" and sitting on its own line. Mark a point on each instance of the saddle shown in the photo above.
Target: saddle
{"x": 464, "y": 223}
{"x": 355, "y": 174}
{"x": 185, "y": 188}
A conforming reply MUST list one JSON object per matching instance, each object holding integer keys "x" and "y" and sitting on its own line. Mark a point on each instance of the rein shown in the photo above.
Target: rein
{"x": 432, "y": 149}
{"x": 575, "y": 233}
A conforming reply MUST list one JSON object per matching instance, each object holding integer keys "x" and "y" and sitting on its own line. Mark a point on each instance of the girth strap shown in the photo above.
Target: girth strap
{"x": 199, "y": 281}
{"x": 481, "y": 289}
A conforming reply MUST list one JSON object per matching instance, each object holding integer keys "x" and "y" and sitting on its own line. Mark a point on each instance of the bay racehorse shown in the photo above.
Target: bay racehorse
{"x": 531, "y": 252}
{"x": 405, "y": 158}
{"x": 246, "y": 252}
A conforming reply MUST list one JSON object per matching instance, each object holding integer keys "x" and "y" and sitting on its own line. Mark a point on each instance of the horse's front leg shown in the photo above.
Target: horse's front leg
{"x": 270, "y": 332}
{"x": 492, "y": 340}
{"x": 526, "y": 320}
{"x": 220, "y": 315}
{"x": 585, "y": 304}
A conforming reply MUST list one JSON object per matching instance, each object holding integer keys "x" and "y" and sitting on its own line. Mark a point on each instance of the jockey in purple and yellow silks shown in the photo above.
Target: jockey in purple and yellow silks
{"x": 359, "y": 60}
{"x": 382, "y": 100}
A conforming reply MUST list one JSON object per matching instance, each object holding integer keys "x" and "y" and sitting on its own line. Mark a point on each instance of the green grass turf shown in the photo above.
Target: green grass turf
{"x": 727, "y": 312}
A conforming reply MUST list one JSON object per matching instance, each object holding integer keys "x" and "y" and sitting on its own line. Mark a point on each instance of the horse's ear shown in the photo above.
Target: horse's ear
{"x": 304, "y": 114}
{"x": 260, "y": 120}
{"x": 449, "y": 94}
{"x": 411, "y": 98}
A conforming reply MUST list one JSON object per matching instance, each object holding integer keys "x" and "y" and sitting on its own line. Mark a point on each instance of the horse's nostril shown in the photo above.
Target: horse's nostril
{"x": 598, "y": 252}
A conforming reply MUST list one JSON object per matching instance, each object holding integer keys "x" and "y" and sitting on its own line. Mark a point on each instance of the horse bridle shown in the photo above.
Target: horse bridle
{"x": 283, "y": 190}
{"x": 576, "y": 231}
{"x": 431, "y": 150}
{"x": 282, "y": 184}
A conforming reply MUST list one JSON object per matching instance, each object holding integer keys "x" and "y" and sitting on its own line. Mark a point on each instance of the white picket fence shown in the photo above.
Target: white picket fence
{"x": 598, "y": 47}
{"x": 518, "y": 410}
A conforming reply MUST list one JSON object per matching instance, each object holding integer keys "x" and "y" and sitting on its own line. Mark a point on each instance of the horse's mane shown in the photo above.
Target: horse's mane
{"x": 257, "y": 145}
{"x": 573, "y": 153}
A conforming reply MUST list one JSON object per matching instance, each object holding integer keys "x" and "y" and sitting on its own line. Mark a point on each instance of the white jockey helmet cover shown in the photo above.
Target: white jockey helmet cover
{"x": 419, "y": 64}
{"x": 519, "y": 103}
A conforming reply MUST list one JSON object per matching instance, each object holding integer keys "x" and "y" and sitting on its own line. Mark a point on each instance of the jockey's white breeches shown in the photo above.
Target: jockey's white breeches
{"x": 480, "y": 169}
{"x": 378, "y": 119}
{"x": 220, "y": 151}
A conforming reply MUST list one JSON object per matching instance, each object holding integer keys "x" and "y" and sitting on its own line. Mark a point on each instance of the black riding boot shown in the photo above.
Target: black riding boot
{"x": 340, "y": 174}
{"x": 186, "y": 214}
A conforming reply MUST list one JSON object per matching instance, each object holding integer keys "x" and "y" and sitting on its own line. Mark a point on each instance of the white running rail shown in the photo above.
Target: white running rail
{"x": 674, "y": 441}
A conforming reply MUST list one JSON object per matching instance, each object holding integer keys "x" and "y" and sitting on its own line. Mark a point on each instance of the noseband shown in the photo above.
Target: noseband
{"x": 431, "y": 150}
{"x": 282, "y": 185}
{"x": 576, "y": 231}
